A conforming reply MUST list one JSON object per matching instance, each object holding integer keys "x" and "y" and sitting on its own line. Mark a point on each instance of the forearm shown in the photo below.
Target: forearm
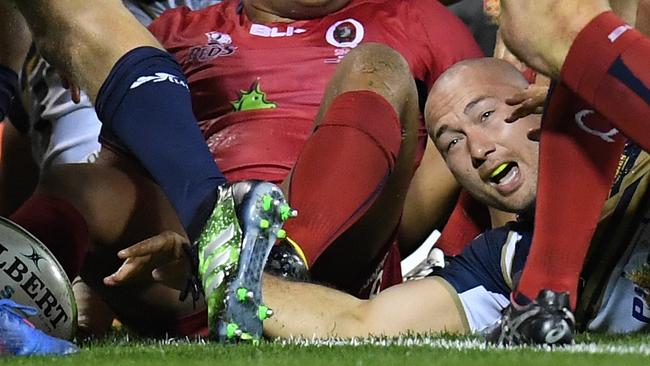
{"x": 540, "y": 33}
{"x": 15, "y": 38}
{"x": 84, "y": 39}
{"x": 311, "y": 311}
{"x": 308, "y": 310}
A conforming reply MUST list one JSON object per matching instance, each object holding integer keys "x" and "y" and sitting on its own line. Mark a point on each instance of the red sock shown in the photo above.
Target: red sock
{"x": 59, "y": 226}
{"x": 577, "y": 166}
{"x": 342, "y": 169}
{"x": 468, "y": 220}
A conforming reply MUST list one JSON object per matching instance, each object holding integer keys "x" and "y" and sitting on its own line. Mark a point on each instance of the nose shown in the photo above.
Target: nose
{"x": 480, "y": 147}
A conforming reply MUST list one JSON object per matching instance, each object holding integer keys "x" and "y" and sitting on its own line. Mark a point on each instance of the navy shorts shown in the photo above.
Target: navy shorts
{"x": 484, "y": 273}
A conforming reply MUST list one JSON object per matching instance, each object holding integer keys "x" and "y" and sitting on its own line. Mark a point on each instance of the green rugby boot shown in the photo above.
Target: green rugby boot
{"x": 232, "y": 250}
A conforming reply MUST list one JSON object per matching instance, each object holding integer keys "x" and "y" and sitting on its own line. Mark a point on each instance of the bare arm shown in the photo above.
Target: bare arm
{"x": 15, "y": 38}
{"x": 429, "y": 200}
{"x": 308, "y": 310}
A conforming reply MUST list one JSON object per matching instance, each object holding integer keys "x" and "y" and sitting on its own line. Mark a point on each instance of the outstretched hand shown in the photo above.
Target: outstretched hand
{"x": 161, "y": 257}
{"x": 529, "y": 101}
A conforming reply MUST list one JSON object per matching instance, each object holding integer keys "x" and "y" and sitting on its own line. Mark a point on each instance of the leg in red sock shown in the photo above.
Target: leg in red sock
{"x": 349, "y": 182}
{"x": 578, "y": 160}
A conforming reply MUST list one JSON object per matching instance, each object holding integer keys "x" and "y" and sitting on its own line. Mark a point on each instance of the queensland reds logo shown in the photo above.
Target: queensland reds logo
{"x": 219, "y": 44}
{"x": 346, "y": 33}
{"x": 605, "y": 135}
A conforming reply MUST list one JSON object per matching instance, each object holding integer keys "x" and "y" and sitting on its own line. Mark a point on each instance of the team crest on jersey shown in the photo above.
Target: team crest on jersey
{"x": 219, "y": 44}
{"x": 346, "y": 33}
{"x": 251, "y": 99}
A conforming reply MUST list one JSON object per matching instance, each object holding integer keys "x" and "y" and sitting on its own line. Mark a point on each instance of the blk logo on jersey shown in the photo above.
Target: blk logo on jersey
{"x": 274, "y": 32}
{"x": 345, "y": 33}
{"x": 219, "y": 44}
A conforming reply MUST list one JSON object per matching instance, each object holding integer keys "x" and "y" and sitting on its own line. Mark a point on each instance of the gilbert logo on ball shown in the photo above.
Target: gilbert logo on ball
{"x": 30, "y": 275}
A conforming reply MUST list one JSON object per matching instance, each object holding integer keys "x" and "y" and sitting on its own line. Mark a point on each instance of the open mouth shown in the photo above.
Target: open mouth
{"x": 504, "y": 173}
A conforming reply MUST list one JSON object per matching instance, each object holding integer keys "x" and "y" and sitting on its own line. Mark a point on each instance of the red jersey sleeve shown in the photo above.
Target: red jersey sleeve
{"x": 446, "y": 38}
{"x": 168, "y": 26}
{"x": 607, "y": 66}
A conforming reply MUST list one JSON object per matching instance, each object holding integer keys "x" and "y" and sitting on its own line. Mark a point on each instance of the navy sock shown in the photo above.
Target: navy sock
{"x": 8, "y": 89}
{"x": 145, "y": 106}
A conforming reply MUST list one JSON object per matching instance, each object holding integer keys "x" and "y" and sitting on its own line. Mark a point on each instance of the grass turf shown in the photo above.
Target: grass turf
{"x": 448, "y": 351}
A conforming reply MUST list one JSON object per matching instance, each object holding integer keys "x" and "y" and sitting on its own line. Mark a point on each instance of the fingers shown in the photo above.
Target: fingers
{"x": 526, "y": 108}
{"x": 167, "y": 242}
{"x": 530, "y": 101}
{"x": 75, "y": 92}
{"x": 131, "y": 268}
{"x": 534, "y": 134}
{"x": 144, "y": 257}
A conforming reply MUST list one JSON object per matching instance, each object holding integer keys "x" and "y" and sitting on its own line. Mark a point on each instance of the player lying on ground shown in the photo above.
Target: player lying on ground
{"x": 592, "y": 110}
{"x": 497, "y": 163}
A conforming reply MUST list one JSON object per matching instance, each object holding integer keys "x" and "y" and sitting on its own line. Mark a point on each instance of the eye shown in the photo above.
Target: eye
{"x": 453, "y": 142}
{"x": 486, "y": 115}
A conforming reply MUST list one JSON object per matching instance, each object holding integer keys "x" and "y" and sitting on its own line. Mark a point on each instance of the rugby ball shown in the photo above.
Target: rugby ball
{"x": 30, "y": 275}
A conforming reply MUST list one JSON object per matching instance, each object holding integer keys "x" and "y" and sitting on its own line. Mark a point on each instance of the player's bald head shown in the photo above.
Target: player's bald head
{"x": 481, "y": 73}
{"x": 466, "y": 112}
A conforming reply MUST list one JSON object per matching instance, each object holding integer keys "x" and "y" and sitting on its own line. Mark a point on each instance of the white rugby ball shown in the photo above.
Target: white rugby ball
{"x": 30, "y": 275}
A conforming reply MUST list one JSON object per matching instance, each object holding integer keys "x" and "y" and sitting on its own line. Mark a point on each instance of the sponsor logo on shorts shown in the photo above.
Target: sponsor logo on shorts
{"x": 157, "y": 78}
{"x": 274, "y": 32}
{"x": 605, "y": 135}
{"x": 218, "y": 45}
{"x": 640, "y": 309}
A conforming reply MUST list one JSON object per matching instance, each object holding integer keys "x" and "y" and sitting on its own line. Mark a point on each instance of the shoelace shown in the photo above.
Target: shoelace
{"x": 193, "y": 285}
{"x": 17, "y": 309}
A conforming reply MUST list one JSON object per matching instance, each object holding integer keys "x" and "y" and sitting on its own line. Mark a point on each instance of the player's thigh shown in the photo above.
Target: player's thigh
{"x": 120, "y": 203}
{"x": 144, "y": 305}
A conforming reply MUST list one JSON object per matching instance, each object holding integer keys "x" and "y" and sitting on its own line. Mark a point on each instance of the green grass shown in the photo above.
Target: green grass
{"x": 448, "y": 351}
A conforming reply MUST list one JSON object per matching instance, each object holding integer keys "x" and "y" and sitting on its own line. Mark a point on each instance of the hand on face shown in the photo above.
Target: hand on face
{"x": 540, "y": 33}
{"x": 529, "y": 101}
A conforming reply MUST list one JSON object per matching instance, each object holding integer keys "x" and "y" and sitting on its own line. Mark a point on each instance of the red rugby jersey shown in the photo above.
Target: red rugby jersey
{"x": 256, "y": 88}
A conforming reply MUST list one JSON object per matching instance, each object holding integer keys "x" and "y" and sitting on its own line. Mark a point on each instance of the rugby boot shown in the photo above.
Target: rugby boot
{"x": 231, "y": 252}
{"x": 19, "y": 337}
{"x": 287, "y": 260}
{"x": 546, "y": 321}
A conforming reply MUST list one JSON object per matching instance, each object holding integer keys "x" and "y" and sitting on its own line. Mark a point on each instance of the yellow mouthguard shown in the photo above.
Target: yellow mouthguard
{"x": 498, "y": 170}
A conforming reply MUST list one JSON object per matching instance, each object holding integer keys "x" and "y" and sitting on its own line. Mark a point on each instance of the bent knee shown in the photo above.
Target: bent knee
{"x": 381, "y": 69}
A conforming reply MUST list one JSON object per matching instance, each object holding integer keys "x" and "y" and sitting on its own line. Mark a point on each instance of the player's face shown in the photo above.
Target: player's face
{"x": 298, "y": 9}
{"x": 494, "y": 160}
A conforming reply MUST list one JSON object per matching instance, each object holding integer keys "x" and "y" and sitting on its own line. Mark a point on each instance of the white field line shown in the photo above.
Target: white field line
{"x": 471, "y": 344}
